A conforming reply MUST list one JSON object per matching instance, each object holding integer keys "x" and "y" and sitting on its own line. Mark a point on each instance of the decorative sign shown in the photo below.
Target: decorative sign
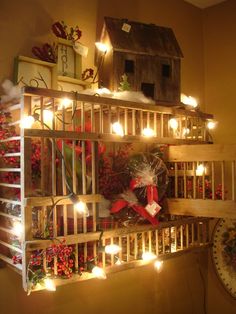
{"x": 80, "y": 49}
{"x": 69, "y": 62}
{"x": 224, "y": 253}
{"x": 68, "y": 84}
{"x": 126, "y": 27}
{"x": 34, "y": 72}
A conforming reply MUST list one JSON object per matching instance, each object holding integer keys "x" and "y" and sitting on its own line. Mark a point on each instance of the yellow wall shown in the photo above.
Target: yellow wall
{"x": 220, "y": 81}
{"x": 179, "y": 288}
{"x": 220, "y": 68}
{"x": 27, "y": 23}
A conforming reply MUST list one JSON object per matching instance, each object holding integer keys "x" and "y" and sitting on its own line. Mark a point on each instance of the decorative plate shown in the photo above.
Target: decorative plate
{"x": 224, "y": 253}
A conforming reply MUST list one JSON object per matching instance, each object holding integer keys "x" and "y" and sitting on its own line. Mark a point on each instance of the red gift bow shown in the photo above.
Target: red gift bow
{"x": 152, "y": 193}
{"x": 118, "y": 205}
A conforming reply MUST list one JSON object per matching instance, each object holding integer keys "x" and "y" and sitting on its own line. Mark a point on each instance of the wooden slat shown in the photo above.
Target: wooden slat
{"x": 70, "y": 135}
{"x": 203, "y": 182}
{"x": 10, "y": 231}
{"x": 60, "y": 199}
{"x": 176, "y": 180}
{"x": 26, "y": 187}
{"x": 185, "y": 181}
{"x": 11, "y": 155}
{"x": 159, "y": 107}
{"x": 10, "y": 216}
{"x": 9, "y": 139}
{"x": 12, "y": 247}
{"x": 213, "y": 179}
{"x": 9, "y": 185}
{"x": 10, "y": 262}
{"x": 94, "y": 236}
{"x": 163, "y": 240}
{"x": 5, "y": 200}
{"x": 194, "y": 181}
{"x": 133, "y": 122}
{"x": 212, "y": 152}
{"x": 202, "y": 208}
{"x": 128, "y": 247}
{"x": 10, "y": 169}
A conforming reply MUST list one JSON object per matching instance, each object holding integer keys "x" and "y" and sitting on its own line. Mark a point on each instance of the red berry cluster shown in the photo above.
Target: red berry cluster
{"x": 64, "y": 255}
{"x": 17, "y": 259}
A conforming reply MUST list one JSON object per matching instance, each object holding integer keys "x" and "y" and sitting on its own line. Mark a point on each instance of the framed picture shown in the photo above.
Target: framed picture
{"x": 69, "y": 62}
{"x": 35, "y": 73}
{"x": 68, "y": 84}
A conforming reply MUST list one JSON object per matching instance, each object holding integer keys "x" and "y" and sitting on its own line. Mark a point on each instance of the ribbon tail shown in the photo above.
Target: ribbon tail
{"x": 155, "y": 194}
{"x": 142, "y": 212}
{"x": 118, "y": 205}
{"x": 152, "y": 194}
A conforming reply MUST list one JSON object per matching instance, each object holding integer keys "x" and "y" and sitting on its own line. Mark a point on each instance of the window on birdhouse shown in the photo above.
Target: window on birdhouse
{"x": 148, "y": 89}
{"x": 166, "y": 70}
{"x": 129, "y": 66}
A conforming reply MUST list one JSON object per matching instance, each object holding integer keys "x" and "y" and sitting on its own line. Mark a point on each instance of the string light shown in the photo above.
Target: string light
{"x": 118, "y": 261}
{"x": 148, "y": 132}
{"x": 65, "y": 103}
{"x": 101, "y": 47}
{"x": 189, "y": 101}
{"x": 186, "y": 131}
{"x": 17, "y": 228}
{"x": 173, "y": 123}
{"x": 148, "y": 256}
{"x": 158, "y": 265}
{"x": 118, "y": 129}
{"x": 211, "y": 124}
{"x": 47, "y": 117}
{"x": 200, "y": 170}
{"x": 27, "y": 122}
{"x": 81, "y": 208}
{"x": 49, "y": 284}
{"x": 112, "y": 249}
{"x": 99, "y": 272}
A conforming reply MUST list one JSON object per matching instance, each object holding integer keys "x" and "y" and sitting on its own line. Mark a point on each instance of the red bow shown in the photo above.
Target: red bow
{"x": 152, "y": 193}
{"x": 118, "y": 205}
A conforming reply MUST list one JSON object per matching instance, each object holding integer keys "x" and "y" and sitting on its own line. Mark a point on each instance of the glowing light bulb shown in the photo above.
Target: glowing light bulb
{"x": 200, "y": 170}
{"x": 27, "y": 122}
{"x": 17, "y": 228}
{"x": 148, "y": 132}
{"x": 99, "y": 272}
{"x": 189, "y": 101}
{"x": 148, "y": 256}
{"x": 101, "y": 47}
{"x": 47, "y": 117}
{"x": 118, "y": 262}
{"x": 81, "y": 208}
{"x": 211, "y": 125}
{"x": 118, "y": 129}
{"x": 186, "y": 131}
{"x": 49, "y": 284}
{"x": 65, "y": 103}
{"x": 158, "y": 265}
{"x": 173, "y": 123}
{"x": 112, "y": 249}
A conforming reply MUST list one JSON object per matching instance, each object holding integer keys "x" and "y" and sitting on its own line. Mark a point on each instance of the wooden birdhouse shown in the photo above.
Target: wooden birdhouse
{"x": 148, "y": 54}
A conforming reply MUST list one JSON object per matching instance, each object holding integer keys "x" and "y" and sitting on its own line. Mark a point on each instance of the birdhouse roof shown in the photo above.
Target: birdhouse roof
{"x": 148, "y": 39}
